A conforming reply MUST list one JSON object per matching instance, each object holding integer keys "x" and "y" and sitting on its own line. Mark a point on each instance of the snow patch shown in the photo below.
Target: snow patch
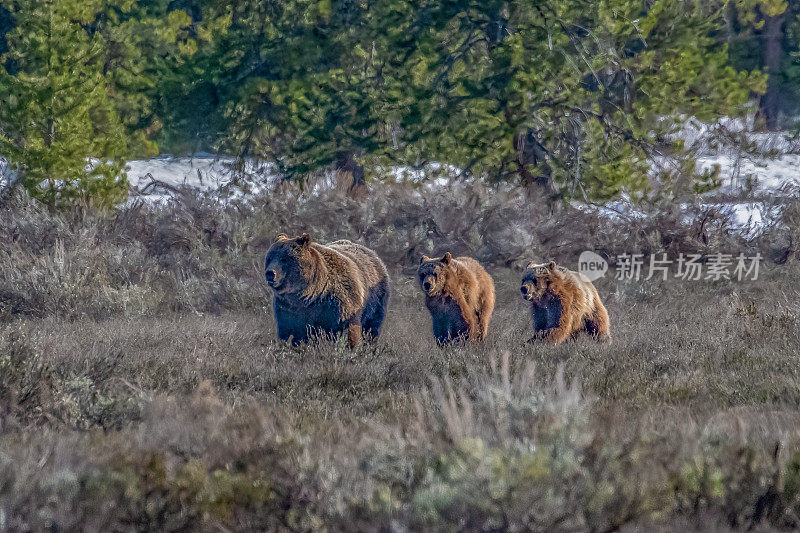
{"x": 754, "y": 182}
{"x": 156, "y": 178}
{"x": 7, "y": 175}
{"x": 760, "y": 177}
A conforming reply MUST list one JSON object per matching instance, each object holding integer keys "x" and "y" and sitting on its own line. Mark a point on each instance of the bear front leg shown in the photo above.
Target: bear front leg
{"x": 485, "y": 315}
{"x": 354, "y": 333}
{"x": 603, "y": 323}
{"x": 290, "y": 326}
{"x": 471, "y": 318}
{"x": 562, "y": 332}
{"x": 540, "y": 335}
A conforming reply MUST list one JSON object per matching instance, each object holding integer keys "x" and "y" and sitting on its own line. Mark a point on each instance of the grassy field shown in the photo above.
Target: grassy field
{"x": 142, "y": 386}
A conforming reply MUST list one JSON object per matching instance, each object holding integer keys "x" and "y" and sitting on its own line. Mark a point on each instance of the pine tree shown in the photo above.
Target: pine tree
{"x": 58, "y": 127}
{"x": 569, "y": 98}
{"x": 294, "y": 83}
{"x": 763, "y": 35}
{"x": 189, "y": 86}
{"x": 145, "y": 42}
{"x": 6, "y": 24}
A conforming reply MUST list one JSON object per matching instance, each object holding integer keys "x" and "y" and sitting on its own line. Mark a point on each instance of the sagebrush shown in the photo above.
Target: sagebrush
{"x": 142, "y": 385}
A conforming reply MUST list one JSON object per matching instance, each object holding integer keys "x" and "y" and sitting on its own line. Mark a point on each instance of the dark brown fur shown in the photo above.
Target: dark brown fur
{"x": 459, "y": 294}
{"x": 326, "y": 289}
{"x": 563, "y": 304}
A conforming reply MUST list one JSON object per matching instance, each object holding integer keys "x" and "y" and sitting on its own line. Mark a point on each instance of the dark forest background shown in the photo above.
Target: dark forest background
{"x": 568, "y": 98}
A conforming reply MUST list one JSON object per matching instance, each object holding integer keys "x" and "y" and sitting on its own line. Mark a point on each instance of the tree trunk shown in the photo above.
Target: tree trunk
{"x": 350, "y": 175}
{"x": 530, "y": 153}
{"x": 772, "y": 49}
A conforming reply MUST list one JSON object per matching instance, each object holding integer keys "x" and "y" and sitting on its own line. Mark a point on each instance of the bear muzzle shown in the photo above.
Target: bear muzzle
{"x": 274, "y": 279}
{"x": 429, "y": 284}
{"x": 528, "y": 291}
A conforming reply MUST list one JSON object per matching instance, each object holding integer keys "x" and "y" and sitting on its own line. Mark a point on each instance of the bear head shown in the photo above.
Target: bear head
{"x": 433, "y": 273}
{"x": 288, "y": 263}
{"x": 538, "y": 278}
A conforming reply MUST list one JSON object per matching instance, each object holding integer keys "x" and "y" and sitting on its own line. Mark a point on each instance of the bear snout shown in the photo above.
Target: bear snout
{"x": 428, "y": 284}
{"x": 528, "y": 291}
{"x": 274, "y": 277}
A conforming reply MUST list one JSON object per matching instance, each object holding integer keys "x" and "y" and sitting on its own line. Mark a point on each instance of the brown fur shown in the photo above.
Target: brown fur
{"x": 349, "y": 274}
{"x": 465, "y": 281}
{"x": 581, "y": 307}
{"x": 343, "y": 269}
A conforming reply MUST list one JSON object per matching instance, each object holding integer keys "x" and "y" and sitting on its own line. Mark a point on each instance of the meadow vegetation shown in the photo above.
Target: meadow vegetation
{"x": 142, "y": 385}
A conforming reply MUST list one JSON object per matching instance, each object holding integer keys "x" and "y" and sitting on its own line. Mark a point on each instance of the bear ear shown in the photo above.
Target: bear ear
{"x": 304, "y": 239}
{"x": 551, "y": 265}
{"x": 424, "y": 258}
{"x": 447, "y": 258}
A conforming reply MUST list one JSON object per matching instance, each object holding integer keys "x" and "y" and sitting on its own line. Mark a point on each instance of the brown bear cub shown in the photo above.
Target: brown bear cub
{"x": 323, "y": 290}
{"x": 459, "y": 294}
{"x": 563, "y": 304}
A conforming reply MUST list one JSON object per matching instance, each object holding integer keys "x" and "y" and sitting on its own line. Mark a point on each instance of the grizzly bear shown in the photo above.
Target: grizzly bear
{"x": 459, "y": 294}
{"x": 326, "y": 289}
{"x": 563, "y": 304}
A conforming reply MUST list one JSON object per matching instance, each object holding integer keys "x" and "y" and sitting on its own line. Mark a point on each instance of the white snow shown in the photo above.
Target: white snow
{"x": 760, "y": 176}
{"x": 773, "y": 172}
{"x": 768, "y": 168}
{"x": 7, "y": 174}
{"x": 753, "y": 182}
{"x": 750, "y": 217}
{"x": 433, "y": 174}
{"x": 156, "y": 178}
{"x": 759, "y": 180}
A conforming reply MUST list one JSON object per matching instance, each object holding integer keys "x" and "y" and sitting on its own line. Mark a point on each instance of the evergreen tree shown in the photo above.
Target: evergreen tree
{"x": 143, "y": 40}
{"x": 58, "y": 127}
{"x": 191, "y": 87}
{"x": 567, "y": 95}
{"x": 285, "y": 81}
{"x": 6, "y": 23}
{"x": 765, "y": 35}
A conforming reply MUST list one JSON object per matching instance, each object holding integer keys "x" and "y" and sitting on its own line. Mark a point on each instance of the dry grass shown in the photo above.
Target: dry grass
{"x": 142, "y": 387}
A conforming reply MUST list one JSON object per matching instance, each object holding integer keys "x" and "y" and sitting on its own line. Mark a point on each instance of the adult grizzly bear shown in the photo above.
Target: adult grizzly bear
{"x": 459, "y": 295}
{"x": 326, "y": 289}
{"x": 563, "y": 304}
